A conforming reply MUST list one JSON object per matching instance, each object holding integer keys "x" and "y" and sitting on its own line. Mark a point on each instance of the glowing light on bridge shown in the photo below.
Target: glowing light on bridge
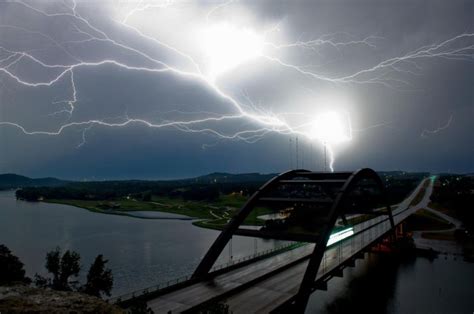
{"x": 340, "y": 235}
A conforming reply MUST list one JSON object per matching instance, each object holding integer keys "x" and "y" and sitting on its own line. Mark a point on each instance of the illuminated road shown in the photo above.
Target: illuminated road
{"x": 263, "y": 285}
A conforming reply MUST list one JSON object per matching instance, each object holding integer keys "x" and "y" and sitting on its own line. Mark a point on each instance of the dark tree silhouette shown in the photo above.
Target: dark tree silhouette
{"x": 62, "y": 268}
{"x": 99, "y": 279}
{"x": 11, "y": 268}
{"x": 139, "y": 306}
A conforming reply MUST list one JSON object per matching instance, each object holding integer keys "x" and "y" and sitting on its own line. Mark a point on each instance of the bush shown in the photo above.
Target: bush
{"x": 99, "y": 279}
{"x": 11, "y": 268}
{"x": 62, "y": 268}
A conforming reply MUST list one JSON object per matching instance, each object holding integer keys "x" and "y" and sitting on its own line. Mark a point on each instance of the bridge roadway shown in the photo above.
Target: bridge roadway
{"x": 266, "y": 284}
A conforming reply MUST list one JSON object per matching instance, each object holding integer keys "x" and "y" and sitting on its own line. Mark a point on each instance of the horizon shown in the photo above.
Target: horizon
{"x": 216, "y": 173}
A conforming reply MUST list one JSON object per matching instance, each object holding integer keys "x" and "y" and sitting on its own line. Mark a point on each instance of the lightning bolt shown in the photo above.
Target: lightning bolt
{"x": 426, "y": 133}
{"x": 327, "y": 40}
{"x": 384, "y": 73}
{"x": 381, "y": 72}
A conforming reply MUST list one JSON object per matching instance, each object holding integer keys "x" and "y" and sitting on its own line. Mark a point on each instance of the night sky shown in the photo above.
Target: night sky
{"x": 171, "y": 89}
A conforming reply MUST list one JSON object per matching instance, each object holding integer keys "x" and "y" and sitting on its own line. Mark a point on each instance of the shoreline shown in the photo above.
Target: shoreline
{"x": 128, "y": 213}
{"x": 199, "y": 222}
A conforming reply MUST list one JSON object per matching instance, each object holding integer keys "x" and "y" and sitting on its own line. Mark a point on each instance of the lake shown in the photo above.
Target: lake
{"x": 141, "y": 252}
{"x": 385, "y": 284}
{"x": 144, "y": 252}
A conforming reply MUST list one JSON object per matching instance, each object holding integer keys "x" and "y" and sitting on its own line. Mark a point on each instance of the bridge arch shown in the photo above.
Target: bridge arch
{"x": 302, "y": 188}
{"x": 311, "y": 272}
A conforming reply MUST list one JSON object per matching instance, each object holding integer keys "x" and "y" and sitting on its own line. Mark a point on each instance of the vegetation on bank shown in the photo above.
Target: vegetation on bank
{"x": 198, "y": 189}
{"x": 454, "y": 195}
{"x": 213, "y": 199}
{"x": 211, "y": 214}
{"x": 60, "y": 291}
{"x": 11, "y": 268}
{"x": 424, "y": 220}
{"x": 207, "y": 188}
{"x": 63, "y": 268}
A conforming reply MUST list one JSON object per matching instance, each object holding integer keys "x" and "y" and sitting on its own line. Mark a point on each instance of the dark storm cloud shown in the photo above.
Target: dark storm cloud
{"x": 443, "y": 89}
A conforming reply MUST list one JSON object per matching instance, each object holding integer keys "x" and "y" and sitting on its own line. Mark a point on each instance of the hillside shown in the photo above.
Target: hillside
{"x": 14, "y": 181}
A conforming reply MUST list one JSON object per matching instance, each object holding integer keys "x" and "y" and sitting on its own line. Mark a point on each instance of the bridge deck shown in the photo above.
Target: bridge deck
{"x": 195, "y": 294}
{"x": 264, "y": 294}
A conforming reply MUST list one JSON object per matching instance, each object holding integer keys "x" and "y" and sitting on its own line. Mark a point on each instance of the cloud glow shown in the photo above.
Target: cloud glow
{"x": 331, "y": 128}
{"x": 227, "y": 46}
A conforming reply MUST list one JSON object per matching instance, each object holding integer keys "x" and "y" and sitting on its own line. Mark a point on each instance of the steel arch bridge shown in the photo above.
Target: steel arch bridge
{"x": 314, "y": 204}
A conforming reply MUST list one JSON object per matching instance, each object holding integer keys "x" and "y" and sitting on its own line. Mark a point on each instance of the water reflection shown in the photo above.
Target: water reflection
{"x": 388, "y": 284}
{"x": 373, "y": 288}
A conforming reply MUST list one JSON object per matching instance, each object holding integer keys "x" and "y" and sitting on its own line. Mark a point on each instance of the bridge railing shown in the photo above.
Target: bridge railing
{"x": 180, "y": 280}
{"x": 369, "y": 224}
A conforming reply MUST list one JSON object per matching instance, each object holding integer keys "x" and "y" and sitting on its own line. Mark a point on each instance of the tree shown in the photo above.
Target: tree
{"x": 11, "y": 268}
{"x": 62, "y": 268}
{"x": 146, "y": 196}
{"x": 139, "y": 306}
{"x": 53, "y": 264}
{"x": 99, "y": 279}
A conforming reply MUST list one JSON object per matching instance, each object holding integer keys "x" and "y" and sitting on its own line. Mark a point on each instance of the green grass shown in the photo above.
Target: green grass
{"x": 444, "y": 209}
{"x": 443, "y": 236}
{"x": 217, "y": 224}
{"x": 231, "y": 200}
{"x": 224, "y": 207}
{"x": 191, "y": 209}
{"x": 426, "y": 220}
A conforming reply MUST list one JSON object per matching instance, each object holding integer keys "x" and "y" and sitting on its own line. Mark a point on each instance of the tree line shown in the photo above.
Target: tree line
{"x": 63, "y": 269}
{"x": 141, "y": 190}
{"x": 456, "y": 192}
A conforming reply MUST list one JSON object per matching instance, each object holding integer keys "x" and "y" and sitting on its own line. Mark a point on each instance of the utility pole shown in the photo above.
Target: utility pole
{"x": 302, "y": 155}
{"x": 296, "y": 152}
{"x": 325, "y": 157}
{"x": 291, "y": 153}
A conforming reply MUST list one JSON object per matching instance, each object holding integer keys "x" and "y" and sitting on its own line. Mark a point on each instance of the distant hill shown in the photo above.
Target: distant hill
{"x": 13, "y": 181}
{"x": 222, "y": 177}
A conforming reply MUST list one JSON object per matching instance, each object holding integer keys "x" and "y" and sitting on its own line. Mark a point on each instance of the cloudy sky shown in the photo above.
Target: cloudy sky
{"x": 170, "y": 89}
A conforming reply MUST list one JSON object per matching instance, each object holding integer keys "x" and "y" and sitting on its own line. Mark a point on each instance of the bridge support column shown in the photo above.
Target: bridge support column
{"x": 400, "y": 231}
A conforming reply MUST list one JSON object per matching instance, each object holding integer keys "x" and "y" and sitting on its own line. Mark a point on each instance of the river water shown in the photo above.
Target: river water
{"x": 144, "y": 252}
{"x": 141, "y": 252}
{"x": 387, "y": 284}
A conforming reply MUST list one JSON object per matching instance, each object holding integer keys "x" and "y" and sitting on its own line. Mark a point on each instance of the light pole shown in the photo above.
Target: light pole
{"x": 325, "y": 157}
